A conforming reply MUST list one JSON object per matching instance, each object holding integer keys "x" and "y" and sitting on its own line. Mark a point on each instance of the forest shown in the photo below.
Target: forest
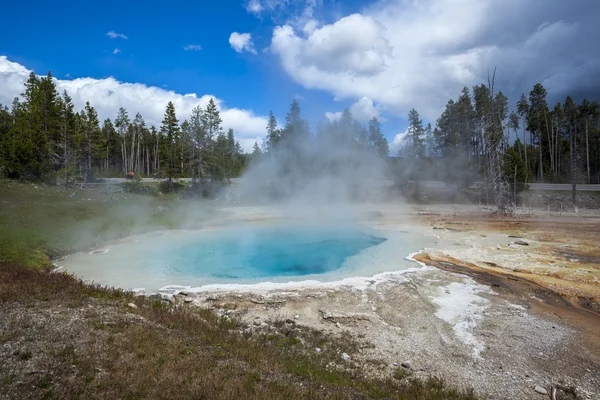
{"x": 478, "y": 130}
{"x": 476, "y": 138}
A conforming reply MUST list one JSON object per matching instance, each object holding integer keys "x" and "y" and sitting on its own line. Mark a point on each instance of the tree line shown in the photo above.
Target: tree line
{"x": 477, "y": 136}
{"x": 43, "y": 137}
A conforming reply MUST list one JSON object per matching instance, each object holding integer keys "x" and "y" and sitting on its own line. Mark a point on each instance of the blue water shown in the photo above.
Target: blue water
{"x": 259, "y": 252}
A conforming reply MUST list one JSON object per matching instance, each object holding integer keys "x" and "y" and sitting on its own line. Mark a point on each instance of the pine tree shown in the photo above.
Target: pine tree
{"x": 212, "y": 121}
{"x": 429, "y": 141}
{"x": 66, "y": 123}
{"x": 537, "y": 122}
{"x": 171, "y": 161}
{"x": 295, "y": 132}
{"x": 256, "y": 153}
{"x": 377, "y": 141}
{"x": 273, "y": 134}
{"x": 416, "y": 135}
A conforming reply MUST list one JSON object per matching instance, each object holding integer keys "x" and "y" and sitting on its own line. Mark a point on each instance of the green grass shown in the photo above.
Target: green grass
{"x": 39, "y": 222}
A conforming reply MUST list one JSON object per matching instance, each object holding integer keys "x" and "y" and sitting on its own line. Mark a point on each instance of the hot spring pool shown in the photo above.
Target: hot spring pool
{"x": 247, "y": 254}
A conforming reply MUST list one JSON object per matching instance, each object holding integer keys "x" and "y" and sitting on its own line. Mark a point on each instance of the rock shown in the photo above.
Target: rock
{"x": 289, "y": 321}
{"x": 540, "y": 390}
{"x": 406, "y": 364}
{"x": 132, "y": 305}
{"x": 337, "y": 324}
{"x": 296, "y": 316}
{"x": 188, "y": 299}
{"x": 318, "y": 350}
{"x": 183, "y": 293}
{"x": 521, "y": 243}
{"x": 346, "y": 357}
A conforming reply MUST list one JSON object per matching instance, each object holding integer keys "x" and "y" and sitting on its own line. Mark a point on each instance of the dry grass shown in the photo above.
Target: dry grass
{"x": 63, "y": 339}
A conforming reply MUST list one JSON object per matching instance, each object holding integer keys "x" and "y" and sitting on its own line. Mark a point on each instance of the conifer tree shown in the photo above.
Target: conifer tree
{"x": 416, "y": 135}
{"x": 171, "y": 161}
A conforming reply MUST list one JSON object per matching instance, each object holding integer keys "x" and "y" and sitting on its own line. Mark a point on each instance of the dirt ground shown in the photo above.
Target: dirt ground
{"x": 507, "y": 306}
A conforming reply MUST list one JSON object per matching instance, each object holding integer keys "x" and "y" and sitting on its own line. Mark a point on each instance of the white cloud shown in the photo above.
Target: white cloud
{"x": 108, "y": 94}
{"x": 254, "y": 7}
{"x": 115, "y": 35}
{"x": 404, "y": 54}
{"x": 241, "y": 42}
{"x": 116, "y": 51}
{"x": 192, "y": 47}
{"x": 398, "y": 143}
{"x": 363, "y": 111}
{"x": 333, "y": 116}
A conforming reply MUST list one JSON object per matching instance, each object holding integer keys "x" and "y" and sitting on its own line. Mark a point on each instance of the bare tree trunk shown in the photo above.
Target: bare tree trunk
{"x": 131, "y": 166}
{"x": 541, "y": 164}
{"x": 525, "y": 142}
{"x": 573, "y": 169}
{"x": 587, "y": 151}
{"x": 551, "y": 149}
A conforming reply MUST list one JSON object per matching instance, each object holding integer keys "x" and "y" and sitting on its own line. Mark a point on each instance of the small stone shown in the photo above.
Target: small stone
{"x": 188, "y": 299}
{"x": 540, "y": 390}
{"x": 521, "y": 243}
{"x": 318, "y": 350}
{"x": 406, "y": 364}
{"x": 346, "y": 357}
{"x": 132, "y": 305}
{"x": 289, "y": 321}
{"x": 296, "y": 316}
{"x": 183, "y": 293}
{"x": 337, "y": 324}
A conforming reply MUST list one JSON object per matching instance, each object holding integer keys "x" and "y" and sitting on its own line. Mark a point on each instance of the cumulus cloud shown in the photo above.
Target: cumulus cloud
{"x": 398, "y": 143}
{"x": 192, "y": 47}
{"x": 116, "y": 51}
{"x": 115, "y": 35}
{"x": 363, "y": 111}
{"x": 241, "y": 42}
{"x": 404, "y": 54}
{"x": 108, "y": 94}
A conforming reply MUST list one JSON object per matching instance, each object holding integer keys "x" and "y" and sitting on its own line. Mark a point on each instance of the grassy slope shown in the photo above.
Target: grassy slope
{"x": 60, "y": 338}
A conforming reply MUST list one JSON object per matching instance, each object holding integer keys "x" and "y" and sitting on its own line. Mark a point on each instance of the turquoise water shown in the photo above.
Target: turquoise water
{"x": 260, "y": 252}
{"x": 245, "y": 254}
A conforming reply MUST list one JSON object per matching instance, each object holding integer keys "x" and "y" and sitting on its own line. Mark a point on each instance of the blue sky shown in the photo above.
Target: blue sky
{"x": 75, "y": 42}
{"x": 381, "y": 57}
